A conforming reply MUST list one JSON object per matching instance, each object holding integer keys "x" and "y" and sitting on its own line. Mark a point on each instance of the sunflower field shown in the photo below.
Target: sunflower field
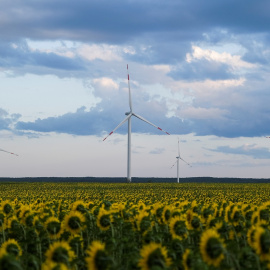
{"x": 134, "y": 226}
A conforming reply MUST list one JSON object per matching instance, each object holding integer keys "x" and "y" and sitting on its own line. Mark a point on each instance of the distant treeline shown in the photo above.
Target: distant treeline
{"x": 135, "y": 180}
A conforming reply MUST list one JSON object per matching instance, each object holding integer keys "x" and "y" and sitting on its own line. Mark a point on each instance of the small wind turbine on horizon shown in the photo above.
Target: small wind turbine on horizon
{"x": 177, "y": 161}
{"x": 8, "y": 152}
{"x": 128, "y": 118}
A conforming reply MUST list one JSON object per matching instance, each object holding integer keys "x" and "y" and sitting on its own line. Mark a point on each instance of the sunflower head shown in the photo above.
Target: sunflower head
{"x": 53, "y": 227}
{"x": 59, "y": 252}
{"x": 13, "y": 223}
{"x": 166, "y": 214}
{"x": 178, "y": 228}
{"x": 153, "y": 256}
{"x": 104, "y": 219}
{"x": 187, "y": 259}
{"x": 7, "y": 207}
{"x": 97, "y": 258}
{"x": 79, "y": 206}
{"x": 211, "y": 247}
{"x": 74, "y": 222}
{"x": 11, "y": 247}
{"x": 262, "y": 243}
{"x": 143, "y": 221}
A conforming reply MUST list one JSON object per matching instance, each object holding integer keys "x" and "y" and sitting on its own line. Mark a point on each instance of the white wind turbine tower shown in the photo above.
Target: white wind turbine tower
{"x": 128, "y": 118}
{"x": 8, "y": 152}
{"x": 177, "y": 161}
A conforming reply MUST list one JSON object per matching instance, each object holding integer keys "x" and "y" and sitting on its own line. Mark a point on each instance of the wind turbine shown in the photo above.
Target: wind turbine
{"x": 8, "y": 152}
{"x": 128, "y": 118}
{"x": 177, "y": 161}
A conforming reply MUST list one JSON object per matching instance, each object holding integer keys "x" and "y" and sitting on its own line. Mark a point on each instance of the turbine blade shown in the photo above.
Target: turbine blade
{"x": 174, "y": 163}
{"x": 118, "y": 126}
{"x": 185, "y": 162}
{"x": 178, "y": 148}
{"x": 9, "y": 152}
{"x": 129, "y": 92}
{"x": 143, "y": 119}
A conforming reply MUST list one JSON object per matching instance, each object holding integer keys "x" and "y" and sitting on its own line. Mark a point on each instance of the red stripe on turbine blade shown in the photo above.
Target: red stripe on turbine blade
{"x": 108, "y": 136}
{"x": 168, "y": 133}
{"x": 128, "y": 76}
{"x": 159, "y": 128}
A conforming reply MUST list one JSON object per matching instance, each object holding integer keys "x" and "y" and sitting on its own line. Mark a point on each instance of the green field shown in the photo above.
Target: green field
{"x": 134, "y": 226}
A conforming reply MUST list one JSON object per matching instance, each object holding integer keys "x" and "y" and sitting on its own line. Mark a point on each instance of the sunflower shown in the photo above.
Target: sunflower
{"x": 59, "y": 252}
{"x": 90, "y": 205}
{"x": 79, "y": 206}
{"x": 23, "y": 212}
{"x": 53, "y": 227}
{"x": 193, "y": 221}
{"x": 264, "y": 214}
{"x": 154, "y": 255}
{"x": 157, "y": 211}
{"x": 178, "y": 228}
{"x": 262, "y": 243}
{"x": 11, "y": 247}
{"x": 7, "y": 207}
{"x": 255, "y": 218}
{"x": 73, "y": 222}
{"x": 13, "y": 223}
{"x": 211, "y": 247}
{"x": 187, "y": 256}
{"x": 97, "y": 258}
{"x": 143, "y": 222}
{"x": 235, "y": 216}
{"x": 166, "y": 214}
{"x": 104, "y": 219}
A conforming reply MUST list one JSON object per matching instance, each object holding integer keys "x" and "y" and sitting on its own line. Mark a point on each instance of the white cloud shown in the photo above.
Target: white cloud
{"x": 202, "y": 113}
{"x": 103, "y": 52}
{"x": 105, "y": 83}
{"x": 234, "y": 61}
{"x": 163, "y": 68}
{"x": 61, "y": 48}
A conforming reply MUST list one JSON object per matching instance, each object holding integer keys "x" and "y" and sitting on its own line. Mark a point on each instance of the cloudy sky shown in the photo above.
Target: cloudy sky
{"x": 199, "y": 70}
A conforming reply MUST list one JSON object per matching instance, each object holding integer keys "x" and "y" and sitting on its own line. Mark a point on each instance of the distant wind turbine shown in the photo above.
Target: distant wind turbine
{"x": 128, "y": 118}
{"x": 8, "y": 152}
{"x": 177, "y": 161}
